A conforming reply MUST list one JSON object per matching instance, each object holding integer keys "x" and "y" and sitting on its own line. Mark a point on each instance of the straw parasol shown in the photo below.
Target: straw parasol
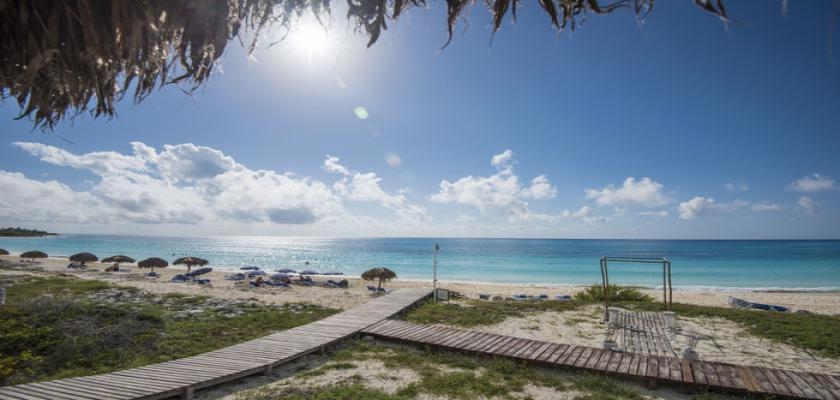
{"x": 190, "y": 261}
{"x": 34, "y": 254}
{"x": 119, "y": 259}
{"x": 83, "y": 258}
{"x": 153, "y": 263}
{"x": 380, "y": 274}
{"x": 97, "y": 51}
{"x": 4, "y": 252}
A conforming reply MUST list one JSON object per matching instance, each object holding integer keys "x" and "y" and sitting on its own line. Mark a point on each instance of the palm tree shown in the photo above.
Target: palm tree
{"x": 58, "y": 56}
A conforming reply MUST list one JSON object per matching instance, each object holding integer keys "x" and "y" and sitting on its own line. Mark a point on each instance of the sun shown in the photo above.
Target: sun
{"x": 311, "y": 38}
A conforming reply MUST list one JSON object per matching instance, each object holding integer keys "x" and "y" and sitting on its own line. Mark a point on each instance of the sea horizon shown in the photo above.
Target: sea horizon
{"x": 698, "y": 264}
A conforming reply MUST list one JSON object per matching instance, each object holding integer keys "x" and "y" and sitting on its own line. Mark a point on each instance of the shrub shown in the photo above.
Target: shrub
{"x": 617, "y": 293}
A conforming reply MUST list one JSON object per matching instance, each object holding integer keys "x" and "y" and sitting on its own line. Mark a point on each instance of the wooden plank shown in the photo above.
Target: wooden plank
{"x": 698, "y": 372}
{"x": 512, "y": 347}
{"x": 549, "y": 352}
{"x": 500, "y": 345}
{"x": 593, "y": 360}
{"x": 779, "y": 383}
{"x": 489, "y": 344}
{"x": 38, "y": 392}
{"x": 803, "y": 386}
{"x": 570, "y": 356}
{"x": 526, "y": 348}
{"x": 685, "y": 371}
{"x": 95, "y": 388}
{"x": 10, "y": 395}
{"x": 624, "y": 365}
{"x": 614, "y": 362}
{"x": 584, "y": 357}
{"x": 824, "y": 391}
{"x": 64, "y": 391}
{"x": 24, "y": 393}
{"x": 652, "y": 367}
{"x": 540, "y": 350}
{"x": 664, "y": 367}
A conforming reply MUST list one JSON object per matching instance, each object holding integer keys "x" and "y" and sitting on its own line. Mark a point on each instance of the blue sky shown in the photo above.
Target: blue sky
{"x": 680, "y": 104}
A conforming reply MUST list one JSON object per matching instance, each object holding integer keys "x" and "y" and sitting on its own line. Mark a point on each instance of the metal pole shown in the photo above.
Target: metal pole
{"x": 670, "y": 288}
{"x": 664, "y": 286}
{"x": 434, "y": 273}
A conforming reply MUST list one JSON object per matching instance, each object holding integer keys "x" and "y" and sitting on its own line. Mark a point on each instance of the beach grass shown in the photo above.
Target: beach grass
{"x": 477, "y": 312}
{"x": 443, "y": 375}
{"x": 59, "y": 327}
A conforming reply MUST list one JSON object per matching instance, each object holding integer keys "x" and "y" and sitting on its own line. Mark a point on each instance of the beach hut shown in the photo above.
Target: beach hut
{"x": 190, "y": 261}
{"x": 32, "y": 255}
{"x": 84, "y": 258}
{"x": 153, "y": 263}
{"x": 4, "y": 252}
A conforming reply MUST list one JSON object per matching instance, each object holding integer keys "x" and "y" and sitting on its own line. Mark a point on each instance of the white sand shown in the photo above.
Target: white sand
{"x": 825, "y": 303}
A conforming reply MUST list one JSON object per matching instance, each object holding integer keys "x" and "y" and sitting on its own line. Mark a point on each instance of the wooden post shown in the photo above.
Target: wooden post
{"x": 188, "y": 393}
{"x": 269, "y": 370}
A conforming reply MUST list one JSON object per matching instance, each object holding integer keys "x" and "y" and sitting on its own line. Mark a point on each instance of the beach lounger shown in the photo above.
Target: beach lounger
{"x": 204, "y": 281}
{"x": 483, "y": 296}
{"x": 152, "y": 274}
{"x": 250, "y": 268}
{"x": 743, "y": 304}
{"x": 519, "y": 297}
{"x": 379, "y": 290}
{"x": 564, "y": 297}
{"x": 542, "y": 297}
{"x": 180, "y": 279}
{"x": 235, "y": 277}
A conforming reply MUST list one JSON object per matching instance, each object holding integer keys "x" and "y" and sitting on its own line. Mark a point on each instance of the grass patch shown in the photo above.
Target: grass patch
{"x": 60, "y": 327}
{"x": 478, "y": 312}
{"x": 815, "y": 332}
{"x": 595, "y": 293}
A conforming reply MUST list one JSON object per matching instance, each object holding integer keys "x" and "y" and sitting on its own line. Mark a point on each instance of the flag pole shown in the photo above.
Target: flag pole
{"x": 434, "y": 272}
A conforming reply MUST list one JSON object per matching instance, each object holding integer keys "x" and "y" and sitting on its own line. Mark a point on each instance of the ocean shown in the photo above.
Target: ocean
{"x": 696, "y": 264}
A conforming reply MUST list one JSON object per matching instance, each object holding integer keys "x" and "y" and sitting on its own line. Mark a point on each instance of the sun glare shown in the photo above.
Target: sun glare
{"x": 311, "y": 38}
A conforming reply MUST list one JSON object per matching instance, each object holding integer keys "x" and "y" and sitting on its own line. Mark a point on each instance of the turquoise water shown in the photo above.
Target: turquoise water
{"x": 809, "y": 265}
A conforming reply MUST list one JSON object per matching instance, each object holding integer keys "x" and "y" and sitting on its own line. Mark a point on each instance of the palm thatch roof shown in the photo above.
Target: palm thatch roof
{"x": 190, "y": 261}
{"x": 84, "y": 257}
{"x": 60, "y": 58}
{"x": 153, "y": 262}
{"x": 34, "y": 254}
{"x": 118, "y": 259}
{"x": 380, "y": 274}
{"x": 4, "y": 252}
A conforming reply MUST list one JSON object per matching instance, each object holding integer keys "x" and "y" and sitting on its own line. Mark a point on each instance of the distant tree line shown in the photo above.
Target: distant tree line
{"x": 21, "y": 232}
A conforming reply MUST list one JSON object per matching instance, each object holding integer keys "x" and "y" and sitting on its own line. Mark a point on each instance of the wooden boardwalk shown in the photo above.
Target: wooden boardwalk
{"x": 642, "y": 332}
{"x": 183, "y": 376}
{"x": 702, "y": 374}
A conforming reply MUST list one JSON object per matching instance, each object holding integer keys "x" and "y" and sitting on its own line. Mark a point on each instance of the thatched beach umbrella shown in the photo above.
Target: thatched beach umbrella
{"x": 4, "y": 252}
{"x": 380, "y": 274}
{"x": 34, "y": 254}
{"x": 190, "y": 261}
{"x": 62, "y": 58}
{"x": 153, "y": 263}
{"x": 118, "y": 259}
{"x": 83, "y": 258}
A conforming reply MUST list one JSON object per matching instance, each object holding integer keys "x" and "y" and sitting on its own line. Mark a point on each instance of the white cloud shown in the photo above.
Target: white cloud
{"x": 765, "y": 206}
{"x": 187, "y": 184}
{"x": 645, "y": 192}
{"x": 812, "y": 184}
{"x": 660, "y": 213}
{"x": 585, "y": 214}
{"x": 366, "y": 187}
{"x": 502, "y": 159}
{"x": 737, "y": 187}
{"x": 619, "y": 211}
{"x": 807, "y": 205}
{"x": 501, "y": 192}
{"x": 698, "y": 207}
{"x": 393, "y": 159}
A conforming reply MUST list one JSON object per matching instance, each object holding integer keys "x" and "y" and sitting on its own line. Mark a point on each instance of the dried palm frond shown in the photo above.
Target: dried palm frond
{"x": 70, "y": 56}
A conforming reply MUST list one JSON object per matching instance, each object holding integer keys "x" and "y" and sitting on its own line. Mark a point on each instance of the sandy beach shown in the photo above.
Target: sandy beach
{"x": 823, "y": 303}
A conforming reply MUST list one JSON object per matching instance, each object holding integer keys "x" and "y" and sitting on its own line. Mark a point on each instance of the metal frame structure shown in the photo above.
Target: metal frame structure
{"x": 667, "y": 289}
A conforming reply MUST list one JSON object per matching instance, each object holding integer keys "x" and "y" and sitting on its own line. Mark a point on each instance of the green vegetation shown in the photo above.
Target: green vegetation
{"x": 60, "y": 327}
{"x": 814, "y": 332}
{"x": 478, "y": 312}
{"x": 447, "y": 375}
{"x": 595, "y": 293}
{"x": 21, "y": 232}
